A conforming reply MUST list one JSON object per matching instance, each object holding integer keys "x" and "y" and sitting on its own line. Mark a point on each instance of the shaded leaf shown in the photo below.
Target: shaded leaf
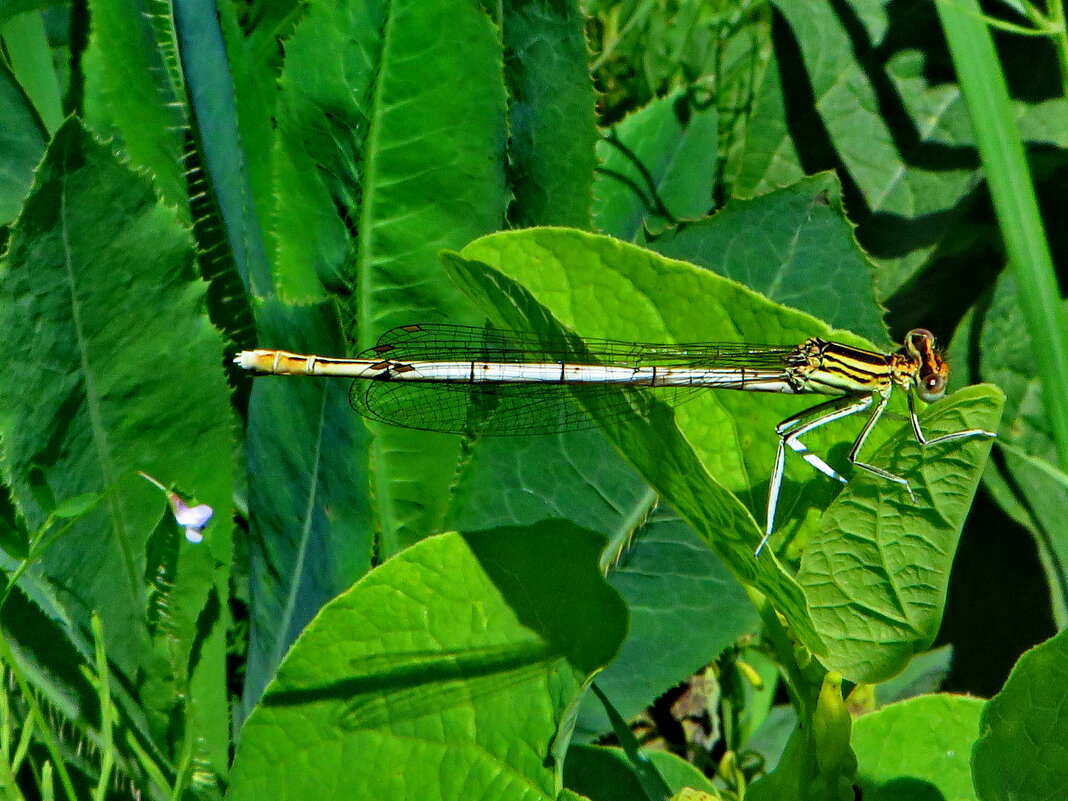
{"x": 924, "y": 675}
{"x": 685, "y": 608}
{"x": 1020, "y": 752}
{"x": 795, "y": 246}
{"x": 606, "y": 774}
{"x": 660, "y": 159}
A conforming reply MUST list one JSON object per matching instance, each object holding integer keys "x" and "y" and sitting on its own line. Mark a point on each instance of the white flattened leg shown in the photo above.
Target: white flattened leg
{"x": 854, "y": 452}
{"x": 790, "y": 431}
{"x": 920, "y": 438}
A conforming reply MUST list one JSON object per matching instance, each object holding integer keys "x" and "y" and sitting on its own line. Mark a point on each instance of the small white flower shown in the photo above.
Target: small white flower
{"x": 192, "y": 519}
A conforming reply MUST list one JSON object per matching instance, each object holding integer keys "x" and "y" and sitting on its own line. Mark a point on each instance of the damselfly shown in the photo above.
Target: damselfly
{"x": 483, "y": 381}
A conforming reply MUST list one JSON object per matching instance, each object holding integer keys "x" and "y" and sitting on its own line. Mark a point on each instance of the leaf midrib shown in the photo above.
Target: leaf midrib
{"x": 99, "y": 434}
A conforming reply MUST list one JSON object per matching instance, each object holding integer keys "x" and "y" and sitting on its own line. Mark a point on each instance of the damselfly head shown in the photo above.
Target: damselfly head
{"x": 932, "y": 369}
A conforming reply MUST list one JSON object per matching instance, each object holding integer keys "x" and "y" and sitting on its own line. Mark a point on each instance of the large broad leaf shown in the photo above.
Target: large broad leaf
{"x": 876, "y": 573}
{"x": 119, "y": 372}
{"x": 682, "y": 469}
{"x": 703, "y": 307}
{"x": 445, "y": 673}
{"x": 918, "y": 749}
{"x": 671, "y": 580}
{"x": 1020, "y": 752}
{"x": 795, "y": 246}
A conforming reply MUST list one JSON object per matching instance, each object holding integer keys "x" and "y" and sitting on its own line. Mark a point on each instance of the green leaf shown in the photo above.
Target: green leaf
{"x": 377, "y": 170}
{"x": 651, "y": 782}
{"x": 664, "y": 301}
{"x": 28, "y": 54}
{"x": 14, "y": 539}
{"x": 773, "y": 735}
{"x": 211, "y": 89}
{"x": 361, "y": 115}
{"x": 310, "y": 514}
{"x": 76, "y": 506}
{"x": 47, "y": 657}
{"x": 606, "y": 774}
{"x": 795, "y": 246}
{"x": 876, "y": 572}
{"x": 23, "y": 144}
{"x": 673, "y": 584}
{"x": 551, "y": 114}
{"x": 1020, "y": 752}
{"x": 662, "y": 157}
{"x": 145, "y": 99}
{"x": 255, "y": 60}
{"x": 577, "y": 476}
{"x": 120, "y": 372}
{"x": 918, "y": 749}
{"x": 445, "y": 673}
{"x": 769, "y": 158}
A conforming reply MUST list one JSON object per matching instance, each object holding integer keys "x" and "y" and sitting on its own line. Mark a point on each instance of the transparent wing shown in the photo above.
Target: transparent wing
{"x": 500, "y": 410}
{"x": 515, "y": 409}
{"x": 432, "y": 342}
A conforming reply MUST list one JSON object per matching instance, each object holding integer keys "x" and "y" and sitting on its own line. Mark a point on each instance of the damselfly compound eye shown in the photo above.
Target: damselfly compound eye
{"x": 933, "y": 387}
